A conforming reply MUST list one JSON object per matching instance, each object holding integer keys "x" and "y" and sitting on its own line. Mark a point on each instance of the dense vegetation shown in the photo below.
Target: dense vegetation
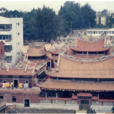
{"x": 44, "y": 24}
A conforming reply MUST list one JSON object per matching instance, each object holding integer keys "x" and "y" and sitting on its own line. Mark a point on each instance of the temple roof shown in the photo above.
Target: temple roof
{"x": 96, "y": 68}
{"x": 90, "y": 46}
{"x": 36, "y": 51}
{"x": 17, "y": 72}
{"x": 22, "y": 68}
{"x": 70, "y": 85}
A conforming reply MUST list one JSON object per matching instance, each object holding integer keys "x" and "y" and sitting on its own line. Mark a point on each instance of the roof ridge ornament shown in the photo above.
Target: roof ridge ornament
{"x": 87, "y": 60}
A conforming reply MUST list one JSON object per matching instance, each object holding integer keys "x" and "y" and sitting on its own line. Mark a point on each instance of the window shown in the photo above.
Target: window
{"x": 6, "y": 37}
{"x": 4, "y": 81}
{"x": 18, "y": 33}
{"x": 7, "y": 48}
{"x": 18, "y": 24}
{"x": 13, "y": 99}
{"x": 26, "y": 103}
{"x": 8, "y": 59}
{"x": 5, "y": 26}
{"x": 26, "y": 81}
{"x": 1, "y": 97}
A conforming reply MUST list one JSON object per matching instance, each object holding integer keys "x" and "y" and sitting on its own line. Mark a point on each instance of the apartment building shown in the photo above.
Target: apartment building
{"x": 11, "y": 33}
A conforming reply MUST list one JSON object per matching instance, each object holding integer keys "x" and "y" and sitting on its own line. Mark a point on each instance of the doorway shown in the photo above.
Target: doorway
{"x": 15, "y": 83}
{"x": 84, "y": 105}
{"x": 26, "y": 103}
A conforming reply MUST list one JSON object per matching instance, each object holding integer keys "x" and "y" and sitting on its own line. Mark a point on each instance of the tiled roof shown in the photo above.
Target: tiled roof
{"x": 77, "y": 69}
{"x": 88, "y": 86}
{"x": 90, "y": 46}
{"x": 17, "y": 72}
{"x": 87, "y": 56}
{"x": 36, "y": 52}
{"x": 26, "y": 91}
{"x": 38, "y": 61}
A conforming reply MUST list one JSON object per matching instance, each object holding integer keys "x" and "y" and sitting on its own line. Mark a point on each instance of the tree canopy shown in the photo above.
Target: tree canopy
{"x": 44, "y": 24}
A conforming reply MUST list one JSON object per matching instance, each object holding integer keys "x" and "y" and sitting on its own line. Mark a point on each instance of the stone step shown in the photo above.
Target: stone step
{"x": 81, "y": 111}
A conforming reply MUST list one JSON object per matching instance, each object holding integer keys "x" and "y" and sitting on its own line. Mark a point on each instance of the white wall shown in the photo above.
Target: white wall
{"x": 98, "y": 32}
{"x": 103, "y": 20}
{"x": 17, "y": 40}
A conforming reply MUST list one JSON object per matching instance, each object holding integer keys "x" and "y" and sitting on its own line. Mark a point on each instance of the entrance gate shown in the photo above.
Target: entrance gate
{"x": 84, "y": 105}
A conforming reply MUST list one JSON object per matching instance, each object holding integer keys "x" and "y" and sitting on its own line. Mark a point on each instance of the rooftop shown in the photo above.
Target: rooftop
{"x": 70, "y": 85}
{"x": 69, "y": 67}
{"x": 90, "y": 46}
{"x": 34, "y": 49}
{"x": 22, "y": 68}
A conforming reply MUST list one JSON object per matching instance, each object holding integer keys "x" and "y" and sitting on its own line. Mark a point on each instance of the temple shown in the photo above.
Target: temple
{"x": 83, "y": 76}
{"x": 88, "y": 49}
{"x": 36, "y": 52}
{"x": 78, "y": 75}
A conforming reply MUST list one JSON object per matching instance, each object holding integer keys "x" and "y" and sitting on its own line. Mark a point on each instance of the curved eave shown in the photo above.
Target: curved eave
{"x": 53, "y": 58}
{"x": 53, "y": 52}
{"x": 62, "y": 85}
{"x": 76, "y": 49}
{"x": 57, "y": 75}
{"x": 87, "y": 73}
{"x": 37, "y": 55}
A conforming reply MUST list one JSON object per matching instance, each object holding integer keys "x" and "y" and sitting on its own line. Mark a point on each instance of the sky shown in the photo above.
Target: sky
{"x": 25, "y": 5}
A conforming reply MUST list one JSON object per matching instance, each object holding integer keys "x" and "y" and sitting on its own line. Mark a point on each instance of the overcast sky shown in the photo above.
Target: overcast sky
{"x": 25, "y": 5}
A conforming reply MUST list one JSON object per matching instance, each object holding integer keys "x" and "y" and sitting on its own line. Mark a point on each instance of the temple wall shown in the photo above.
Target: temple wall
{"x": 11, "y": 80}
{"x": 102, "y": 109}
{"x": 102, "y": 106}
{"x": 61, "y": 104}
{"x": 37, "y": 102}
{"x": 20, "y": 97}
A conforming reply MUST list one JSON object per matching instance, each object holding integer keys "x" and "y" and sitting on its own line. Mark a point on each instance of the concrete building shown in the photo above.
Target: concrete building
{"x": 102, "y": 18}
{"x": 11, "y": 33}
{"x": 98, "y": 32}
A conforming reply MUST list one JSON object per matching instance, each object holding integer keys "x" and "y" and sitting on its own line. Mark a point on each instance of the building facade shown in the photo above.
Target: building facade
{"x": 11, "y": 33}
{"x": 99, "y": 32}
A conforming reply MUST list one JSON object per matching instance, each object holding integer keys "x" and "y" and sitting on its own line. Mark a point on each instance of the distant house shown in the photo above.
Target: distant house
{"x": 102, "y": 18}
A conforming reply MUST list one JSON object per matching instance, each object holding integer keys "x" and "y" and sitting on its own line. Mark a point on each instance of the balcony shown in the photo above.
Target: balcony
{"x": 8, "y": 52}
{"x": 8, "y": 42}
{"x": 5, "y": 29}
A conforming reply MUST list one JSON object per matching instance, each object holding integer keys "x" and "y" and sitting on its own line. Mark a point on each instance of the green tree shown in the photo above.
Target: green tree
{"x": 47, "y": 24}
{"x": 88, "y": 16}
{"x": 104, "y": 12}
{"x": 70, "y": 13}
